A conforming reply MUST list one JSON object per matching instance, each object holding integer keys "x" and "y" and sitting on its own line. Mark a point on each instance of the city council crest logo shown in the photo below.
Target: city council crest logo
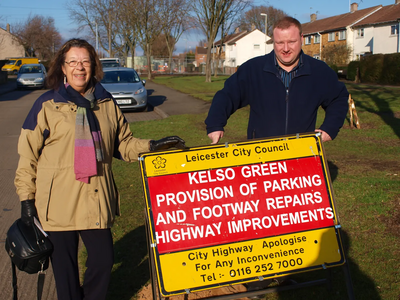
{"x": 159, "y": 162}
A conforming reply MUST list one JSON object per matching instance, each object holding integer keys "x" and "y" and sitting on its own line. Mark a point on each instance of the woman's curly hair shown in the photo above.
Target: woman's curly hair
{"x": 55, "y": 76}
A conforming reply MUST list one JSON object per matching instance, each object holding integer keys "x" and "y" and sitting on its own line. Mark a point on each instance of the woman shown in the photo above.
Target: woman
{"x": 64, "y": 176}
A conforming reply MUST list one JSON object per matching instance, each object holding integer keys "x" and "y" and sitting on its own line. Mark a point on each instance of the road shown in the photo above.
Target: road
{"x": 14, "y": 106}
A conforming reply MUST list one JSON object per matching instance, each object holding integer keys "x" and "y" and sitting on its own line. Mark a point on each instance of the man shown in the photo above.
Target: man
{"x": 284, "y": 90}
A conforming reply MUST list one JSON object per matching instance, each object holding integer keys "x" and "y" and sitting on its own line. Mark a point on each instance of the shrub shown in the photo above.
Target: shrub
{"x": 371, "y": 68}
{"x": 380, "y": 69}
{"x": 334, "y": 68}
{"x": 336, "y": 54}
{"x": 352, "y": 70}
{"x": 391, "y": 69}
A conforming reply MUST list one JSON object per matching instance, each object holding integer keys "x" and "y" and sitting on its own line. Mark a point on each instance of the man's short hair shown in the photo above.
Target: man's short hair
{"x": 286, "y": 22}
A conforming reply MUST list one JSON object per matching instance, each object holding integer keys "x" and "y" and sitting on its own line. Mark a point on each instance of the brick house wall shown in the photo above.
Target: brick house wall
{"x": 9, "y": 45}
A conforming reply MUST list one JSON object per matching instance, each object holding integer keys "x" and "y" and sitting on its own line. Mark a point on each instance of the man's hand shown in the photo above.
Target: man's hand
{"x": 215, "y": 136}
{"x": 324, "y": 136}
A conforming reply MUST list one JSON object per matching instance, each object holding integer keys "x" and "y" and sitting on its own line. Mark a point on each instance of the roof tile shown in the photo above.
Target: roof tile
{"x": 337, "y": 22}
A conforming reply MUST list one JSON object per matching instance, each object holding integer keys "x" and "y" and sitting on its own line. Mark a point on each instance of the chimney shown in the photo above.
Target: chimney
{"x": 313, "y": 17}
{"x": 353, "y": 7}
{"x": 8, "y": 28}
{"x": 237, "y": 30}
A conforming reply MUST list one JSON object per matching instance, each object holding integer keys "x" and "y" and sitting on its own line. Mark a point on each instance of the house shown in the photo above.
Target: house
{"x": 239, "y": 47}
{"x": 9, "y": 45}
{"x": 200, "y": 56}
{"x": 333, "y": 32}
{"x": 378, "y": 33}
{"x": 245, "y": 47}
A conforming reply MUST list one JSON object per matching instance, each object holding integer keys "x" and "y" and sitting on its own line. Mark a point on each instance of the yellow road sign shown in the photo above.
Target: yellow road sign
{"x": 245, "y": 261}
{"x": 239, "y": 212}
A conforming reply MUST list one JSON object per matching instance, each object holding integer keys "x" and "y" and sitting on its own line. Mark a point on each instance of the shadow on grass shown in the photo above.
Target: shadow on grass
{"x": 333, "y": 170}
{"x": 364, "y": 287}
{"x": 132, "y": 270}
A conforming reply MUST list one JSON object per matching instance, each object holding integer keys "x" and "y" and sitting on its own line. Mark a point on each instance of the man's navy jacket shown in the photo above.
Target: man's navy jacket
{"x": 275, "y": 111}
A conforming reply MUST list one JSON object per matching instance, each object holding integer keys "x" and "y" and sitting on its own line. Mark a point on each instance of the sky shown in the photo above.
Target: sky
{"x": 12, "y": 12}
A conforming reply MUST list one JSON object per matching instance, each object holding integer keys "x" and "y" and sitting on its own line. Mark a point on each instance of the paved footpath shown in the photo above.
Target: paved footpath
{"x": 164, "y": 102}
{"x": 14, "y": 106}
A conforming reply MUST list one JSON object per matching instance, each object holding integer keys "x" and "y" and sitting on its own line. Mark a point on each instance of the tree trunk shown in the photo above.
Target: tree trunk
{"x": 148, "y": 55}
{"x": 109, "y": 38}
{"x": 209, "y": 61}
{"x": 132, "y": 47}
{"x": 170, "y": 63}
{"x": 216, "y": 63}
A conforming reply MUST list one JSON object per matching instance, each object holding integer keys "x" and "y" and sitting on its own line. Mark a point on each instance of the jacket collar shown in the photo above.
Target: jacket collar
{"x": 61, "y": 94}
{"x": 270, "y": 66}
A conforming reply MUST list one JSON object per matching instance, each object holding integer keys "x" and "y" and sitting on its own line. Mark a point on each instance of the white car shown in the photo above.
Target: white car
{"x": 125, "y": 86}
{"x": 31, "y": 75}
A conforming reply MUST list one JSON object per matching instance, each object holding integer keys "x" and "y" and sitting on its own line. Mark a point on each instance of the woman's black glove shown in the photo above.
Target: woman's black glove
{"x": 28, "y": 211}
{"x": 166, "y": 143}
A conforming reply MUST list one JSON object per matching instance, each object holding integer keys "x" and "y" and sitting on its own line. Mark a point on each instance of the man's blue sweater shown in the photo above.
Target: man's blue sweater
{"x": 275, "y": 111}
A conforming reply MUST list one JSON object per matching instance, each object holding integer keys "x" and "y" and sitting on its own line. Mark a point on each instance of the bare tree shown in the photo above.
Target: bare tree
{"x": 149, "y": 26}
{"x": 103, "y": 13}
{"x": 210, "y": 15}
{"x": 229, "y": 20}
{"x": 175, "y": 22}
{"x": 253, "y": 17}
{"x": 39, "y": 37}
{"x": 126, "y": 29}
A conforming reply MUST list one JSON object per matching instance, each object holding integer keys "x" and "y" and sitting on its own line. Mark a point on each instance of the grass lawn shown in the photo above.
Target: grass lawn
{"x": 365, "y": 169}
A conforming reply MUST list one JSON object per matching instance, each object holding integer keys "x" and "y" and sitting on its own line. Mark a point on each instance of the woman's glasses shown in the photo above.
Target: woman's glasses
{"x": 74, "y": 63}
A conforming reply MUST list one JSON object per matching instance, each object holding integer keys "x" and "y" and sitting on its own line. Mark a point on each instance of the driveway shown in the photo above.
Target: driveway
{"x": 164, "y": 102}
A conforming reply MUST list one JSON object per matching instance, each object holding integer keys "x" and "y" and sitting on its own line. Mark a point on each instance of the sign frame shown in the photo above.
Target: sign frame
{"x": 153, "y": 165}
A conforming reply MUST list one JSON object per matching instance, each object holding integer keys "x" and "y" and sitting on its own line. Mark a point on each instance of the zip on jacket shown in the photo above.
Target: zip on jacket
{"x": 287, "y": 110}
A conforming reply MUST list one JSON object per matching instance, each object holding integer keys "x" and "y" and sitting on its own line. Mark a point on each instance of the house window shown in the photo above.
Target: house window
{"x": 317, "y": 39}
{"x": 256, "y": 46}
{"x": 307, "y": 40}
{"x": 342, "y": 35}
{"x": 360, "y": 33}
{"x": 331, "y": 37}
{"x": 316, "y": 56}
{"x": 394, "y": 30}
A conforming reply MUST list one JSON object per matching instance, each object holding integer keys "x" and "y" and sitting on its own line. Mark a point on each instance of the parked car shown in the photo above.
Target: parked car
{"x": 31, "y": 75}
{"x": 110, "y": 65}
{"x": 125, "y": 86}
{"x": 110, "y": 62}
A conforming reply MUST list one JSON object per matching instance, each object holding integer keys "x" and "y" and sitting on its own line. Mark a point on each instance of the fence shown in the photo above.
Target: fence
{"x": 179, "y": 65}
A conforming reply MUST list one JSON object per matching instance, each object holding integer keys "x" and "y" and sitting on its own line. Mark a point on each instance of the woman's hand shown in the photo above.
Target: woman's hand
{"x": 28, "y": 211}
{"x": 166, "y": 143}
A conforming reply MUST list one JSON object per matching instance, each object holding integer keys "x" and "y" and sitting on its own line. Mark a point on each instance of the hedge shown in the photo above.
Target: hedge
{"x": 352, "y": 70}
{"x": 377, "y": 68}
